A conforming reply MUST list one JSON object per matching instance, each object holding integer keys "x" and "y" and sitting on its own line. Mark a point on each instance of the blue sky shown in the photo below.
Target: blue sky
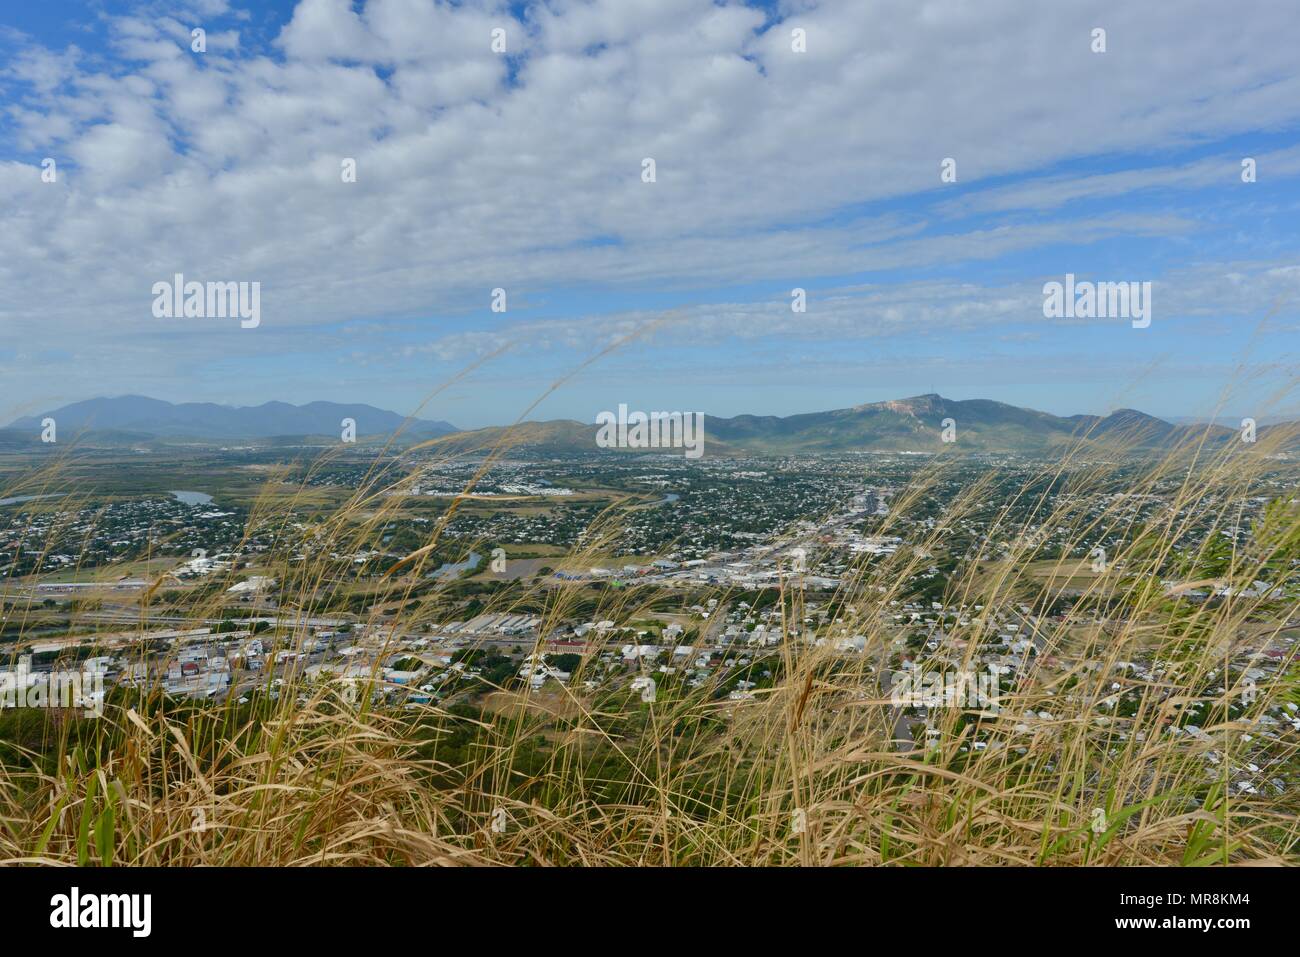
{"x": 775, "y": 169}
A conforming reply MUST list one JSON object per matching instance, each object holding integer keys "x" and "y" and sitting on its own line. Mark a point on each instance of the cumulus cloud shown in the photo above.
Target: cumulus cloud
{"x": 477, "y": 170}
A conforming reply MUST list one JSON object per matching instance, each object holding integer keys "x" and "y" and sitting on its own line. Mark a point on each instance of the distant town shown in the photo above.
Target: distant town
{"x": 651, "y": 572}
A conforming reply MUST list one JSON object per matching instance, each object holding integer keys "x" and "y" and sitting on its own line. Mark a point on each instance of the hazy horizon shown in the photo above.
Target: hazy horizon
{"x": 431, "y": 413}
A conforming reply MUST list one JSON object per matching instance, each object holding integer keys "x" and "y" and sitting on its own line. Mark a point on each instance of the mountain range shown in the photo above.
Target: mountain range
{"x": 134, "y": 417}
{"x": 913, "y": 424}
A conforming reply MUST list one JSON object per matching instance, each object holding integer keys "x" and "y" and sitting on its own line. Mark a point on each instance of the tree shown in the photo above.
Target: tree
{"x": 567, "y": 662}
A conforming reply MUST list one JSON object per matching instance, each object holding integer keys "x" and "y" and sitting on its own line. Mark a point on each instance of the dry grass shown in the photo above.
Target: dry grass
{"x": 805, "y": 771}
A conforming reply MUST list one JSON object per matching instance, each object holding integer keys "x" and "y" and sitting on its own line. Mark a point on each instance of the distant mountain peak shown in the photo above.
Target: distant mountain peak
{"x": 207, "y": 420}
{"x": 910, "y": 406}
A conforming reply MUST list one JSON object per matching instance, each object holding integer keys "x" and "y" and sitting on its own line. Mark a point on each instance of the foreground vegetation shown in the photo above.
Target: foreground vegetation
{"x": 1085, "y": 761}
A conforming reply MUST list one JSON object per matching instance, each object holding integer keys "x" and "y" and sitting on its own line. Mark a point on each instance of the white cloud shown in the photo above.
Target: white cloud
{"x": 225, "y": 165}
